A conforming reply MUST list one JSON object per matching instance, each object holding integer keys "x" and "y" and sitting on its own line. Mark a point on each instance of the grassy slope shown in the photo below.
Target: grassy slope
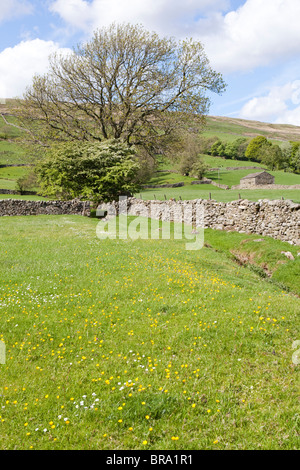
{"x": 222, "y": 163}
{"x": 121, "y": 344}
{"x": 10, "y": 175}
{"x": 229, "y": 129}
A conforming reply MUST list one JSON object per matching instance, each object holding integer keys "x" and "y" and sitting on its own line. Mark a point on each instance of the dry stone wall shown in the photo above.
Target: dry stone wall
{"x": 277, "y": 219}
{"x": 13, "y": 207}
{"x": 267, "y": 186}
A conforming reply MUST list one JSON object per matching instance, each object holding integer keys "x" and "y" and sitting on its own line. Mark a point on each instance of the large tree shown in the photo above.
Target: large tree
{"x": 125, "y": 83}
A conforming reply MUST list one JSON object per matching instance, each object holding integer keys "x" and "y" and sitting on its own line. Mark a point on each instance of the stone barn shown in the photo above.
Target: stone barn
{"x": 256, "y": 179}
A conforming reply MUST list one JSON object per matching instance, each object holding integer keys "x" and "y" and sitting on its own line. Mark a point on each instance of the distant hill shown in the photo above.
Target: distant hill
{"x": 228, "y": 128}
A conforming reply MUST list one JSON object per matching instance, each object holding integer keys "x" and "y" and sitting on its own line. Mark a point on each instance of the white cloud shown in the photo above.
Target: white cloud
{"x": 280, "y": 105}
{"x": 257, "y": 33}
{"x": 12, "y": 8}
{"x": 290, "y": 116}
{"x": 172, "y": 17}
{"x": 18, "y": 65}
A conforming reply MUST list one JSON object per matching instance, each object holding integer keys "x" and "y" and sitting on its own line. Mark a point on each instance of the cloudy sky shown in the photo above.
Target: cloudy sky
{"x": 253, "y": 43}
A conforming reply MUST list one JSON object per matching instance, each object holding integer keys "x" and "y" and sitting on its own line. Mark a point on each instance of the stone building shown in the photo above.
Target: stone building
{"x": 256, "y": 179}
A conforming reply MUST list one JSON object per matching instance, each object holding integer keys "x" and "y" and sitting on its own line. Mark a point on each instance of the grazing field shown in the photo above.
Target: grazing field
{"x": 221, "y": 162}
{"x": 10, "y": 175}
{"x": 12, "y": 153}
{"x": 224, "y": 176}
{"x": 203, "y": 191}
{"x": 123, "y": 344}
{"x": 24, "y": 197}
{"x": 228, "y": 177}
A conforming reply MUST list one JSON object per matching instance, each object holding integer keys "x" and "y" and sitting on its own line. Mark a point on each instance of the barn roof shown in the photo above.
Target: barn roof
{"x": 253, "y": 175}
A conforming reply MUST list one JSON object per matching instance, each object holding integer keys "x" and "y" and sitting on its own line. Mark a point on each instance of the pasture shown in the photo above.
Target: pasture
{"x": 205, "y": 191}
{"x": 142, "y": 344}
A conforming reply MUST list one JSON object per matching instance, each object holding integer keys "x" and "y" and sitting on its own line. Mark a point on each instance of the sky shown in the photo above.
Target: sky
{"x": 254, "y": 44}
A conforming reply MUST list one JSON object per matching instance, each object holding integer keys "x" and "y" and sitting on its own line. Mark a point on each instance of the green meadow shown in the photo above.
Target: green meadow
{"x": 10, "y": 175}
{"x": 225, "y": 175}
{"x": 207, "y": 191}
{"x": 143, "y": 344}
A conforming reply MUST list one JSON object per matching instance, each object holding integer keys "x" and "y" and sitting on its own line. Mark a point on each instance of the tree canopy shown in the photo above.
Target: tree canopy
{"x": 255, "y": 146}
{"x": 125, "y": 83}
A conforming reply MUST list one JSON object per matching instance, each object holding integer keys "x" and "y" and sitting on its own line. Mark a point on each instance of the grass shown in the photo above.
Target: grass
{"x": 7, "y": 184}
{"x": 23, "y": 197}
{"x": 265, "y": 257}
{"x": 220, "y": 162}
{"x": 122, "y": 344}
{"x": 169, "y": 178}
{"x": 12, "y": 153}
{"x": 10, "y": 175}
{"x": 228, "y": 129}
{"x": 203, "y": 191}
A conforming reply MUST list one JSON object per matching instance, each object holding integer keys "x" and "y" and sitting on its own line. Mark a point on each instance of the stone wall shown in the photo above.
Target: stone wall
{"x": 267, "y": 186}
{"x": 277, "y": 219}
{"x": 11, "y": 207}
{"x": 209, "y": 181}
{"x": 14, "y": 191}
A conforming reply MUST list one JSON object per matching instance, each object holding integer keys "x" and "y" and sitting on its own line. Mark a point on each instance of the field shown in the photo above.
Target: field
{"x": 203, "y": 191}
{"x": 10, "y": 175}
{"x": 226, "y": 176}
{"x": 11, "y": 153}
{"x": 11, "y": 150}
{"x": 123, "y": 344}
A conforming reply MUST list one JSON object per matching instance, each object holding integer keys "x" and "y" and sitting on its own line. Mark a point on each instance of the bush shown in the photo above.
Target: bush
{"x": 27, "y": 182}
{"x": 199, "y": 169}
{"x": 187, "y": 164}
{"x": 218, "y": 149}
{"x": 96, "y": 171}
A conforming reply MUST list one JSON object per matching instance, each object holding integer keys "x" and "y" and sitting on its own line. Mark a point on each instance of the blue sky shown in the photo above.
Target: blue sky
{"x": 253, "y": 43}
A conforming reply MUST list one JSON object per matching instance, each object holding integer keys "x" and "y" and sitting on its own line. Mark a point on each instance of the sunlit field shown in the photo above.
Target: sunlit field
{"x": 123, "y": 344}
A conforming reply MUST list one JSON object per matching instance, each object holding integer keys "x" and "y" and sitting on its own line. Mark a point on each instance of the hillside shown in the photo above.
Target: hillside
{"x": 220, "y": 125}
{"x": 226, "y": 128}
